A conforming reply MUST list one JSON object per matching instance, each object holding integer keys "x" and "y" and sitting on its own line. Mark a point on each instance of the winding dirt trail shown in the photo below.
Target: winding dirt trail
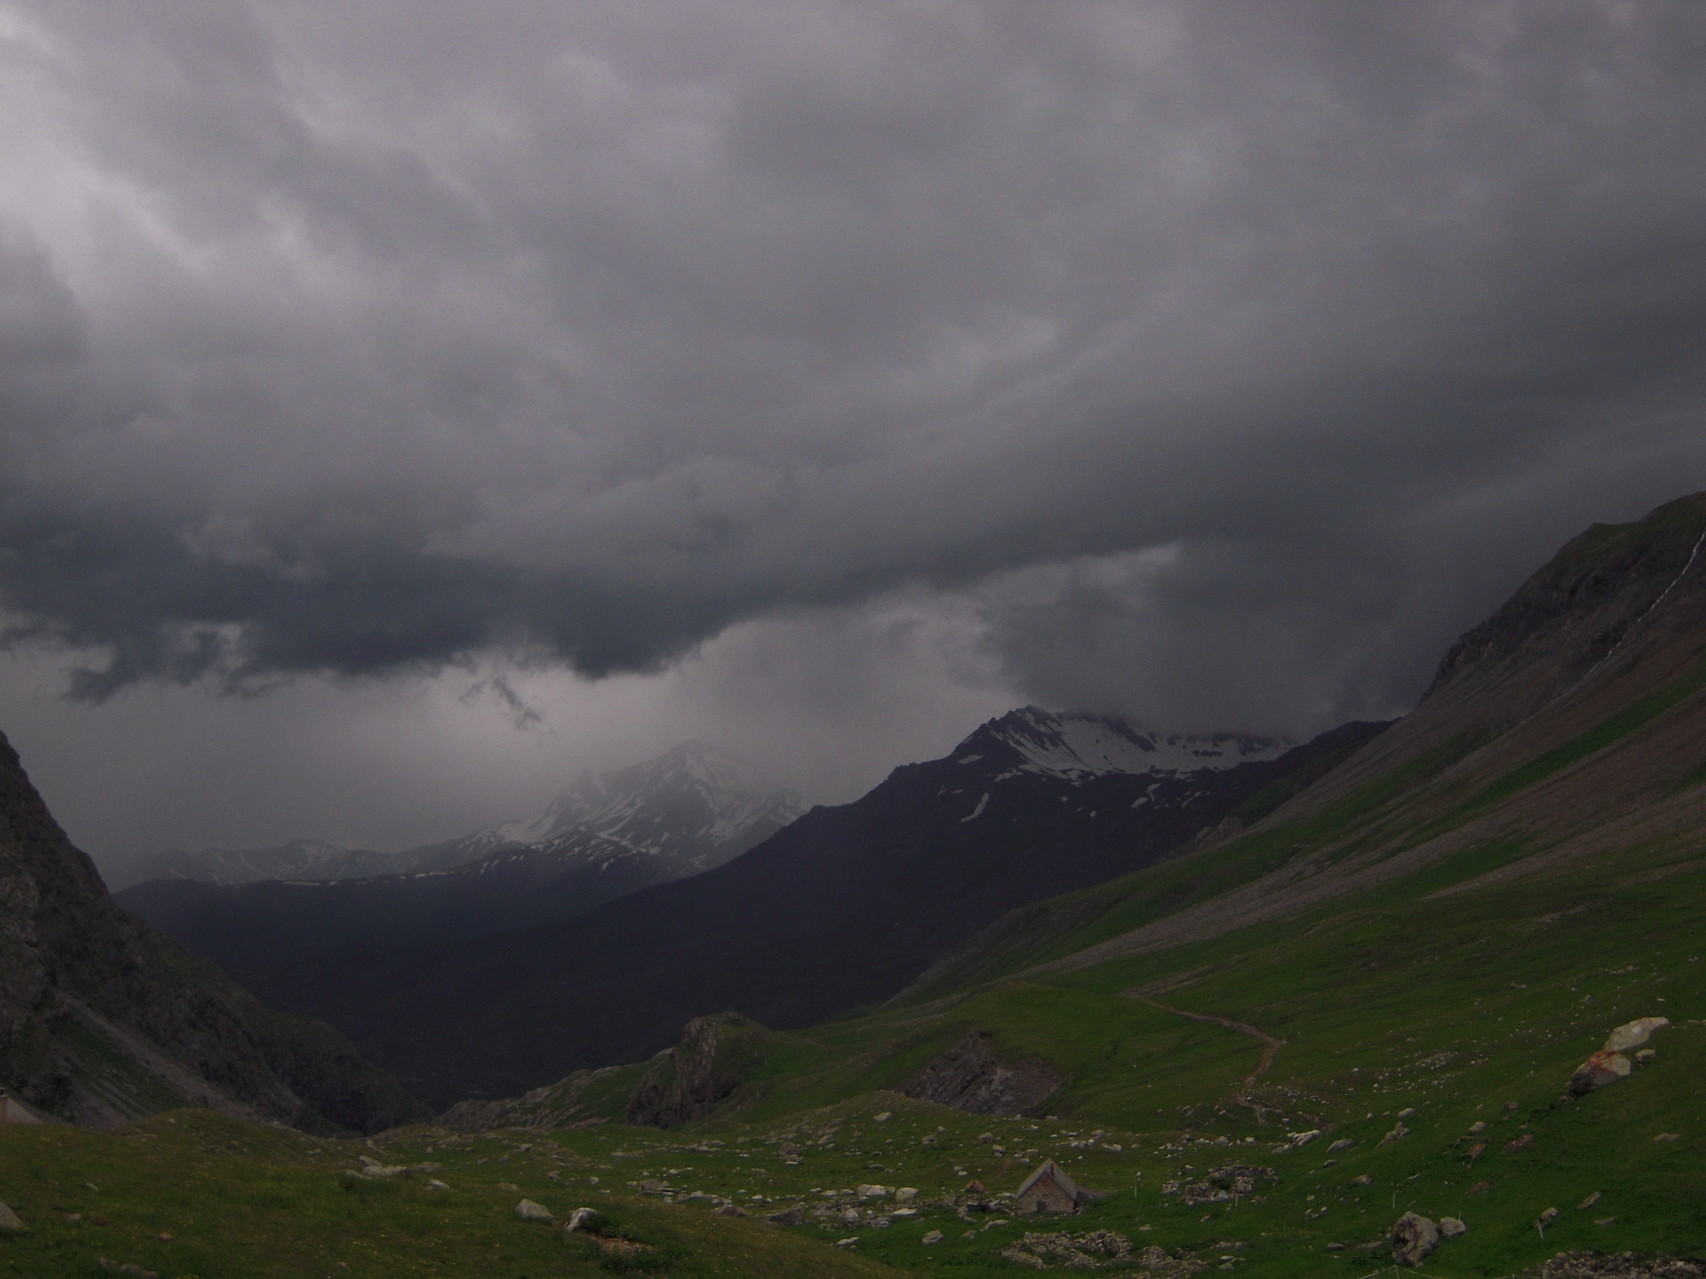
{"x": 1270, "y": 1049}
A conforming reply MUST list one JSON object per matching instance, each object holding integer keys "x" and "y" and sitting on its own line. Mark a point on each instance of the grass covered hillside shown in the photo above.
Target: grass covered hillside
{"x": 1372, "y": 1000}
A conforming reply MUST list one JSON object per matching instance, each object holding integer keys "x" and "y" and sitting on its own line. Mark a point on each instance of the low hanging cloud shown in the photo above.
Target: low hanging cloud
{"x": 1225, "y": 361}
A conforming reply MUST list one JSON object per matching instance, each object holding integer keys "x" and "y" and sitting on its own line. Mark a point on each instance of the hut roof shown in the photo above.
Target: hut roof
{"x": 13, "y": 1111}
{"x": 1057, "y": 1174}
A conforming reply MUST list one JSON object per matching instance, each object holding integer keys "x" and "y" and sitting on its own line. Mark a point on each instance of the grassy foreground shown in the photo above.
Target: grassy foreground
{"x": 1462, "y": 1009}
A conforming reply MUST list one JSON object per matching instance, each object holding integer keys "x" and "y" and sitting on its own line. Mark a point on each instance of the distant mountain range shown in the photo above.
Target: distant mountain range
{"x": 604, "y": 837}
{"x": 842, "y": 907}
{"x": 296, "y": 859}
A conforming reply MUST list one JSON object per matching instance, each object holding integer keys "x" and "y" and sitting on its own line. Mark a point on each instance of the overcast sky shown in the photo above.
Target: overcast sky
{"x": 407, "y": 403}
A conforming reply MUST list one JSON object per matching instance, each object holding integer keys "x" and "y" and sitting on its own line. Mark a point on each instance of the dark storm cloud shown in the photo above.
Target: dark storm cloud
{"x": 1228, "y": 357}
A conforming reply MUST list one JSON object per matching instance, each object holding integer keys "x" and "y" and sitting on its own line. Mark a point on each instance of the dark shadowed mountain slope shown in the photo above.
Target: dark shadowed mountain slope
{"x": 608, "y": 835}
{"x": 103, "y": 1020}
{"x": 841, "y": 908}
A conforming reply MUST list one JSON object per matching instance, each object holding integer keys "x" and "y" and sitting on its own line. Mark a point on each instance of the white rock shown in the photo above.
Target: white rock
{"x": 1451, "y": 1227}
{"x": 1633, "y": 1034}
{"x": 906, "y": 1194}
{"x": 579, "y": 1217}
{"x": 527, "y": 1210}
{"x": 935, "y": 1236}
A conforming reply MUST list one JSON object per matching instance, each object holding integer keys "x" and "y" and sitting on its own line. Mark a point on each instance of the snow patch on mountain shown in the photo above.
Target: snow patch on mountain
{"x": 693, "y": 801}
{"x": 1077, "y": 746}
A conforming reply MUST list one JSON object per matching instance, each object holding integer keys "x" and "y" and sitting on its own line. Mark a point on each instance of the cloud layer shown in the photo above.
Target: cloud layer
{"x": 1219, "y": 363}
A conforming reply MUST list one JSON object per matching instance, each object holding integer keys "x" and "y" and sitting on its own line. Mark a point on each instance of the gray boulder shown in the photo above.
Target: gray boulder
{"x": 1414, "y": 1238}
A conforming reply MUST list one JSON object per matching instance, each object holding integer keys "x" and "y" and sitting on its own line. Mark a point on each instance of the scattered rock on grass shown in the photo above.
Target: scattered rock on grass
{"x": 935, "y": 1236}
{"x": 1605, "y": 1067}
{"x": 1414, "y": 1237}
{"x": 10, "y": 1222}
{"x": 1609, "y": 1064}
{"x": 527, "y": 1210}
{"x": 1590, "y": 1265}
{"x": 1089, "y": 1250}
{"x": 1634, "y": 1034}
{"x": 1231, "y": 1182}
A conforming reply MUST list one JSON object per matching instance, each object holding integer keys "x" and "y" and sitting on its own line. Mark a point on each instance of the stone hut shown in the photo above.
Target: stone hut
{"x": 1049, "y": 1189}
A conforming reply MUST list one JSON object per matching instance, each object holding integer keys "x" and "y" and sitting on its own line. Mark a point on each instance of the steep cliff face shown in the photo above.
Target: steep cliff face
{"x": 103, "y": 1020}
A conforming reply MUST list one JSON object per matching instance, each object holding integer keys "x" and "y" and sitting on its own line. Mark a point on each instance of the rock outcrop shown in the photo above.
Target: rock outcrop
{"x": 558, "y": 1105}
{"x": 103, "y": 1020}
{"x": 715, "y": 1057}
{"x": 970, "y": 1077}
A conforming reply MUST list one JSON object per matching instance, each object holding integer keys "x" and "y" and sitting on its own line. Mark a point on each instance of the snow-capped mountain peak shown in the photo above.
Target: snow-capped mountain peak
{"x": 1079, "y": 745}
{"x": 693, "y": 796}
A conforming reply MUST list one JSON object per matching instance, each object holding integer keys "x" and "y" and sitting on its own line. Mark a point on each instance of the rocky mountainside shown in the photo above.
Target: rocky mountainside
{"x": 602, "y": 838}
{"x": 842, "y": 907}
{"x": 1569, "y": 723}
{"x": 103, "y": 1020}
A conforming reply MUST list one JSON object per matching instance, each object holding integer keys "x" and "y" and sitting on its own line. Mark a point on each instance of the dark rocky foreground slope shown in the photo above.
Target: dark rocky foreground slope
{"x": 840, "y": 909}
{"x": 103, "y": 1020}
